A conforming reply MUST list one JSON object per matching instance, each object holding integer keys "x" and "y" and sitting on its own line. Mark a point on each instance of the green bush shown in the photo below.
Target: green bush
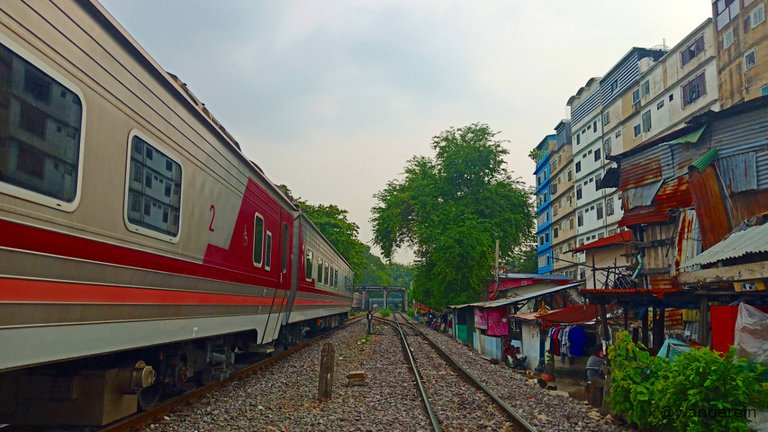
{"x": 634, "y": 375}
{"x": 385, "y": 313}
{"x": 698, "y": 391}
{"x": 411, "y": 313}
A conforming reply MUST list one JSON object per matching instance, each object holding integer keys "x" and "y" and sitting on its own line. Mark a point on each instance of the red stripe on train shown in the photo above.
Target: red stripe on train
{"x": 23, "y": 290}
{"x": 35, "y": 239}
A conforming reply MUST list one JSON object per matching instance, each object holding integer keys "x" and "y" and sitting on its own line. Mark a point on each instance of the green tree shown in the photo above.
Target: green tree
{"x": 451, "y": 209}
{"x": 401, "y": 274}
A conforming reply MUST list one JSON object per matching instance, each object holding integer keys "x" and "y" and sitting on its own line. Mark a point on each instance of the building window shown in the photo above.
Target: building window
{"x": 580, "y": 219}
{"x": 647, "y": 121}
{"x": 599, "y": 210}
{"x": 671, "y": 97}
{"x": 606, "y": 117}
{"x": 594, "y": 125}
{"x": 757, "y": 16}
{"x": 578, "y": 139}
{"x": 598, "y": 177}
{"x": 636, "y": 129}
{"x": 258, "y": 240}
{"x": 645, "y": 88}
{"x": 693, "y": 50}
{"x": 578, "y": 192}
{"x": 617, "y": 134}
{"x": 694, "y": 89}
{"x": 660, "y": 105}
{"x": 727, "y": 38}
{"x": 570, "y": 173}
{"x": 607, "y": 147}
{"x": 635, "y": 97}
{"x": 570, "y": 222}
{"x": 764, "y": 91}
{"x": 609, "y": 206}
{"x": 614, "y": 86}
{"x": 41, "y": 119}
{"x": 750, "y": 59}
{"x": 597, "y": 155}
{"x": 162, "y": 219}
{"x": 578, "y": 166}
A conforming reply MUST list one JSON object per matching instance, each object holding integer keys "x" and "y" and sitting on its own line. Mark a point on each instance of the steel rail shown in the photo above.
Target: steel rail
{"x": 511, "y": 413}
{"x": 422, "y": 390}
{"x": 141, "y": 419}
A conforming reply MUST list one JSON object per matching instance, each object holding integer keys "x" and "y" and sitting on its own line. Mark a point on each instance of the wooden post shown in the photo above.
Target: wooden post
{"x": 327, "y": 363}
{"x": 704, "y": 321}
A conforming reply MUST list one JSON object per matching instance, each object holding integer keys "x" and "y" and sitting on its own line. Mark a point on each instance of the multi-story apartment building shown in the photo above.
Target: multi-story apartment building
{"x": 680, "y": 85}
{"x": 587, "y": 134}
{"x": 543, "y": 154}
{"x": 563, "y": 203}
{"x": 742, "y": 57}
{"x": 602, "y": 209}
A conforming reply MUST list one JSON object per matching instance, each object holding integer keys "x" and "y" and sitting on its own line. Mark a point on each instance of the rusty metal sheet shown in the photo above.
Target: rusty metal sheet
{"x": 710, "y": 208}
{"x": 641, "y": 169}
{"x": 673, "y": 194}
{"x": 688, "y": 239}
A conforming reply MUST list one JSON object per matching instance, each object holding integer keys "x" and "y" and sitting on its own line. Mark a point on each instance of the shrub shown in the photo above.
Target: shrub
{"x": 385, "y": 313}
{"x": 698, "y": 391}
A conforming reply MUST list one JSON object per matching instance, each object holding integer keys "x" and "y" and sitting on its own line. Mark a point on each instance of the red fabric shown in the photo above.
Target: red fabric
{"x": 497, "y": 321}
{"x": 481, "y": 318}
{"x": 723, "y": 323}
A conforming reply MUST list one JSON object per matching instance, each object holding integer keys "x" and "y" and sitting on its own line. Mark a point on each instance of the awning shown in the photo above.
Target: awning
{"x": 575, "y": 314}
{"x": 690, "y": 138}
{"x": 610, "y": 179}
{"x": 521, "y": 295}
{"x": 619, "y": 237}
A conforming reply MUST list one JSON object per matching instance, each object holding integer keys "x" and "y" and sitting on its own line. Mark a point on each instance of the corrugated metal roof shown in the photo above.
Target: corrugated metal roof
{"x": 673, "y": 194}
{"x": 746, "y": 241}
{"x": 705, "y": 160}
{"x": 521, "y": 295}
{"x": 620, "y": 237}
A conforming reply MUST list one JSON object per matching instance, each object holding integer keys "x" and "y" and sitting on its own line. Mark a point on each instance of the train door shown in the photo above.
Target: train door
{"x": 279, "y": 305}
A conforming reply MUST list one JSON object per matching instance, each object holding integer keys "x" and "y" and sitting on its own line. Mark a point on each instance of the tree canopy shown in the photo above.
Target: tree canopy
{"x": 451, "y": 209}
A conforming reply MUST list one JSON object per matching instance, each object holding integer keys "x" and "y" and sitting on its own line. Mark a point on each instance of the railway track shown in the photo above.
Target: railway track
{"x": 446, "y": 400}
{"x": 142, "y": 419}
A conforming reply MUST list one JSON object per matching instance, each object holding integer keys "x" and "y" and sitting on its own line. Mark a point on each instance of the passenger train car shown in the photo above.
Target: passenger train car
{"x": 140, "y": 249}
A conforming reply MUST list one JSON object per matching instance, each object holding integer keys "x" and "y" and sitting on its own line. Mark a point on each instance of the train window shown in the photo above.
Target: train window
{"x": 331, "y": 284}
{"x": 336, "y": 278}
{"x": 154, "y": 185}
{"x": 268, "y": 253}
{"x": 325, "y": 276}
{"x": 319, "y": 271}
{"x": 308, "y": 266}
{"x": 284, "y": 248}
{"x": 258, "y": 240}
{"x": 41, "y": 125}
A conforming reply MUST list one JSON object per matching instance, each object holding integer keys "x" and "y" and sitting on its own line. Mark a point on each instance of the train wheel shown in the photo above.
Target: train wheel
{"x": 149, "y": 397}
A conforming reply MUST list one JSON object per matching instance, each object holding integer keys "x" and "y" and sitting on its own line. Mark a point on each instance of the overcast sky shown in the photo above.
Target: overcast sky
{"x": 333, "y": 97}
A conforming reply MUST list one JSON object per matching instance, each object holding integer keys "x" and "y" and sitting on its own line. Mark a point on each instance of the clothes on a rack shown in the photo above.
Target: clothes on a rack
{"x": 566, "y": 342}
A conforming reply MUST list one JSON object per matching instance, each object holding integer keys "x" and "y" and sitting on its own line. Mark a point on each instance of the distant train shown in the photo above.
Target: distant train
{"x": 140, "y": 250}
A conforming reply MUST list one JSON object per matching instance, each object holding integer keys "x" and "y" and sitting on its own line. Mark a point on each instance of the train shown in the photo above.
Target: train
{"x": 141, "y": 251}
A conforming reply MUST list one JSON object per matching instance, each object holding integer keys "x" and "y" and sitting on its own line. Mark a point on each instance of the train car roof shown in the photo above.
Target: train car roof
{"x": 177, "y": 89}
